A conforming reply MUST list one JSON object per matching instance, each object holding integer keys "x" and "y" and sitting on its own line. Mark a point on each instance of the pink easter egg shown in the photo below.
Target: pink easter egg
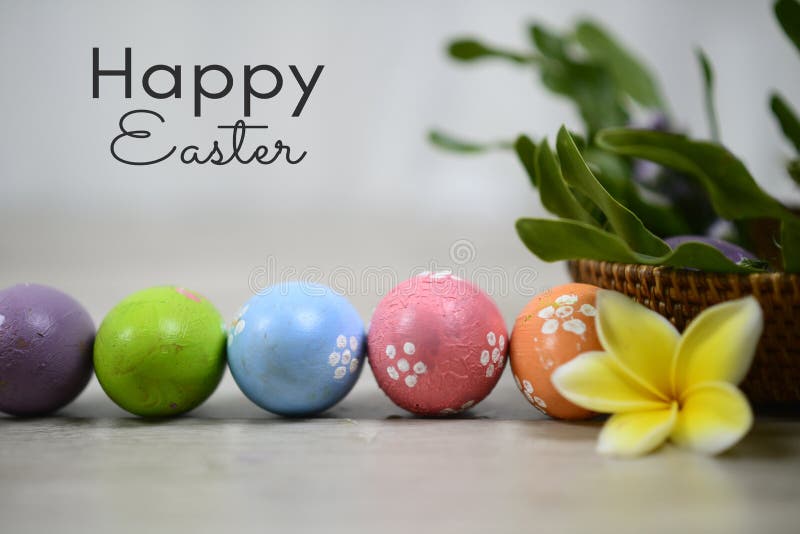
{"x": 437, "y": 344}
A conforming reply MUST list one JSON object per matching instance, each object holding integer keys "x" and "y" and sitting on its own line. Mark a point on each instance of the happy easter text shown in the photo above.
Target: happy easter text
{"x": 139, "y": 124}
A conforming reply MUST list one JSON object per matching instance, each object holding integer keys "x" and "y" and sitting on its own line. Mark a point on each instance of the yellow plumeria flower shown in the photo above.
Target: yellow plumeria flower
{"x": 663, "y": 386}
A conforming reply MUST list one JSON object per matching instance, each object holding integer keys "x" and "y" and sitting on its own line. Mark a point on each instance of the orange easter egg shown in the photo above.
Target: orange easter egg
{"x": 554, "y": 327}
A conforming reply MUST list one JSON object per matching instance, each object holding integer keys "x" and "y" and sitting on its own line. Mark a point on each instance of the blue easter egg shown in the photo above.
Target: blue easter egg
{"x": 297, "y": 349}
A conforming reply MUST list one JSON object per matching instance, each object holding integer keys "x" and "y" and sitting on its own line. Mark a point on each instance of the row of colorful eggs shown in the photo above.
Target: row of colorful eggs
{"x": 437, "y": 345}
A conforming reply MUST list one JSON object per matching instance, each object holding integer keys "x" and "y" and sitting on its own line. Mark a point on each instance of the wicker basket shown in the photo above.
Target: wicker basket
{"x": 680, "y": 295}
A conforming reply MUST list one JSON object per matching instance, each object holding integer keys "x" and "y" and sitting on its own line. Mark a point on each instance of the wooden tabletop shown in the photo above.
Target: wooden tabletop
{"x": 368, "y": 466}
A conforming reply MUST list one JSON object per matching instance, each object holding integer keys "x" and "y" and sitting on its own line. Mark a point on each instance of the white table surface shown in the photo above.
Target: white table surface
{"x": 367, "y": 466}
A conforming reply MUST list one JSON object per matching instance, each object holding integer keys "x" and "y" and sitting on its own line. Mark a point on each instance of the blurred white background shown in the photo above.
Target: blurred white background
{"x": 372, "y": 191}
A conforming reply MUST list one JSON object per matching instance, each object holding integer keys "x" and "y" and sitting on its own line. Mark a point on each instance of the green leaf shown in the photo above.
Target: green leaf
{"x": 547, "y": 42}
{"x": 788, "y": 14}
{"x": 790, "y": 245}
{"x": 629, "y": 73}
{"x": 793, "y": 168}
{"x": 448, "y": 142}
{"x": 623, "y": 221}
{"x": 554, "y": 191}
{"x": 696, "y": 255}
{"x": 756, "y": 264}
{"x": 790, "y": 124}
{"x": 590, "y": 87}
{"x": 610, "y": 170}
{"x": 557, "y": 240}
{"x": 472, "y": 50}
{"x": 733, "y": 192}
{"x": 526, "y": 152}
{"x": 731, "y": 189}
{"x": 708, "y": 91}
{"x": 663, "y": 220}
{"x": 614, "y": 174}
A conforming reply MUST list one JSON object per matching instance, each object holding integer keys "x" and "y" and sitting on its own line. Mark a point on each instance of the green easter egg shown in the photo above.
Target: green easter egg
{"x": 161, "y": 351}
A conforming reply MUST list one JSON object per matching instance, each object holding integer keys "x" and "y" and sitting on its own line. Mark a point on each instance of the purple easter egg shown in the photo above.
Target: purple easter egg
{"x": 46, "y": 340}
{"x": 733, "y": 252}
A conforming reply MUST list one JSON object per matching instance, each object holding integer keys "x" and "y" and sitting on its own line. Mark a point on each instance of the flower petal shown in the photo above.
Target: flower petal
{"x": 713, "y": 417}
{"x": 636, "y": 433}
{"x": 643, "y": 341}
{"x": 718, "y": 346}
{"x": 594, "y": 380}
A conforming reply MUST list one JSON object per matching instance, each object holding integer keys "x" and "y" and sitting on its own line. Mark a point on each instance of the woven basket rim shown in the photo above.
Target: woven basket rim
{"x": 642, "y": 268}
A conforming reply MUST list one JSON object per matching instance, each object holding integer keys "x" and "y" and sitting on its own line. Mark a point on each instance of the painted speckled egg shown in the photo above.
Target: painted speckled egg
{"x": 555, "y": 327}
{"x": 160, "y": 351}
{"x": 296, "y": 349}
{"x": 45, "y": 349}
{"x": 437, "y": 344}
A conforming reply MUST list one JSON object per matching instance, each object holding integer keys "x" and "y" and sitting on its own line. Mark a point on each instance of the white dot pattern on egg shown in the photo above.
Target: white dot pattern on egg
{"x": 404, "y": 367}
{"x": 550, "y": 326}
{"x": 528, "y": 396}
{"x": 569, "y": 299}
{"x": 495, "y": 356}
{"x": 451, "y": 411}
{"x": 527, "y": 389}
{"x": 564, "y": 311}
{"x": 345, "y": 358}
{"x": 576, "y": 326}
{"x": 239, "y": 327}
{"x": 546, "y": 313}
{"x": 353, "y": 343}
